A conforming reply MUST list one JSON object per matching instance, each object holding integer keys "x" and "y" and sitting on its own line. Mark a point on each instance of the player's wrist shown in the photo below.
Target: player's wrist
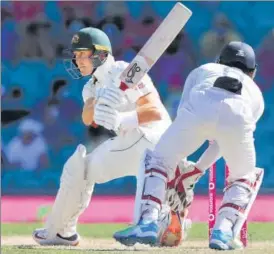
{"x": 129, "y": 120}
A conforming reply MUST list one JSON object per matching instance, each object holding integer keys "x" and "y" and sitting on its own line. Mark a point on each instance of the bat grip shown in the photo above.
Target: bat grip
{"x": 94, "y": 125}
{"x": 123, "y": 86}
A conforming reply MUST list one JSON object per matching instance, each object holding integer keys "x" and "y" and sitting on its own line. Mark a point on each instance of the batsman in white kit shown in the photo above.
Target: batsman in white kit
{"x": 220, "y": 103}
{"x": 138, "y": 127}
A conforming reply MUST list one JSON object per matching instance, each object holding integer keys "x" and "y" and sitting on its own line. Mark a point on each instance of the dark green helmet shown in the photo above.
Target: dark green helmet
{"x": 88, "y": 38}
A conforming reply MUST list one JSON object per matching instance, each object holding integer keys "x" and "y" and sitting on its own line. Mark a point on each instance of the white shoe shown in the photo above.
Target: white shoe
{"x": 40, "y": 236}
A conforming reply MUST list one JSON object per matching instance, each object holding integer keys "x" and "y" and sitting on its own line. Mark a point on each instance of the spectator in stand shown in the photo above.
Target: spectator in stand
{"x": 175, "y": 88}
{"x": 221, "y": 33}
{"x": 58, "y": 114}
{"x": 36, "y": 42}
{"x": 9, "y": 40}
{"x": 178, "y": 59}
{"x": 116, "y": 37}
{"x": 28, "y": 151}
{"x": 266, "y": 60}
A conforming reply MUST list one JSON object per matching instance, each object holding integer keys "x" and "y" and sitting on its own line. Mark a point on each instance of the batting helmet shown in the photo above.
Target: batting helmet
{"x": 88, "y": 38}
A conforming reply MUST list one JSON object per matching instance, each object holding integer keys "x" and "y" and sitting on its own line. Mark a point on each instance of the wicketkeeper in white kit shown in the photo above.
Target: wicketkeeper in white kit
{"x": 138, "y": 127}
{"x": 221, "y": 103}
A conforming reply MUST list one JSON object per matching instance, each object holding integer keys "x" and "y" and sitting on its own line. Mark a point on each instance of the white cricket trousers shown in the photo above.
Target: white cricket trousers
{"x": 117, "y": 157}
{"x": 214, "y": 114}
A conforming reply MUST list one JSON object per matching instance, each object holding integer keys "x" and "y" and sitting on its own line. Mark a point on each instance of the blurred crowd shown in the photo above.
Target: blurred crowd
{"x": 41, "y": 104}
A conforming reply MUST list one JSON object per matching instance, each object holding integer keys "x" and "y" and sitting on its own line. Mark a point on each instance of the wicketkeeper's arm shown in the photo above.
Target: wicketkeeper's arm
{"x": 209, "y": 157}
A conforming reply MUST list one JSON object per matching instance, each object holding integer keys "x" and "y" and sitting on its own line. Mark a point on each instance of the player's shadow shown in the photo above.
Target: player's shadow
{"x": 115, "y": 249}
{"x": 25, "y": 246}
{"x": 33, "y": 246}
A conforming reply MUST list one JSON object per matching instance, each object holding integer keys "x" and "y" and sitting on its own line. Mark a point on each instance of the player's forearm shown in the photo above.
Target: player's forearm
{"x": 148, "y": 113}
{"x": 87, "y": 117}
{"x": 88, "y": 112}
{"x": 142, "y": 115}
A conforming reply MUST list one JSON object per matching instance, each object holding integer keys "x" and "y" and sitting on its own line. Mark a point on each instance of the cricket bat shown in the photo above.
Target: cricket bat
{"x": 153, "y": 49}
{"x": 155, "y": 46}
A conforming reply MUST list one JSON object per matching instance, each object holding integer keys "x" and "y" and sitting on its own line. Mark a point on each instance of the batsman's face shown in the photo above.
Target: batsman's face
{"x": 83, "y": 61}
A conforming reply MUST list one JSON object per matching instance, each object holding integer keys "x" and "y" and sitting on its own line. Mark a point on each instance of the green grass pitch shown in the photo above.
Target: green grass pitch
{"x": 97, "y": 238}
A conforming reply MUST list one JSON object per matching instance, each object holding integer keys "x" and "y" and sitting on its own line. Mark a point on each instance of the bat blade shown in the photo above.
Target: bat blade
{"x": 155, "y": 46}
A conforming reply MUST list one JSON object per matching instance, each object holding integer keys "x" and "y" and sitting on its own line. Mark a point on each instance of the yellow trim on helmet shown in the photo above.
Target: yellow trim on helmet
{"x": 100, "y": 47}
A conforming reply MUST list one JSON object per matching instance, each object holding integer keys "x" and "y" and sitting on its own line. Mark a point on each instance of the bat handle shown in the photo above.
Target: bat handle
{"x": 94, "y": 125}
{"x": 123, "y": 86}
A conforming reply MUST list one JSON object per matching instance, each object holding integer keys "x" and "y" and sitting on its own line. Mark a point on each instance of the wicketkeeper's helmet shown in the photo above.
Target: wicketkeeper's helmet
{"x": 88, "y": 38}
{"x": 238, "y": 54}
